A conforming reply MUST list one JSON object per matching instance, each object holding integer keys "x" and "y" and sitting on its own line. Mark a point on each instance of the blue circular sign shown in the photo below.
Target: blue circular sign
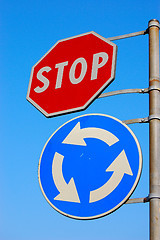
{"x": 90, "y": 166}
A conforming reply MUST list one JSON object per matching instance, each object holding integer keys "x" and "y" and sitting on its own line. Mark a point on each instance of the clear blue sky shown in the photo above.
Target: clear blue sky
{"x": 28, "y": 30}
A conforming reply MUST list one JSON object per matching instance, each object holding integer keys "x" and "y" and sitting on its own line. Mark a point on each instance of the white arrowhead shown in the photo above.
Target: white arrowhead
{"x": 77, "y": 135}
{"x": 120, "y": 164}
{"x": 68, "y": 192}
{"x": 119, "y": 167}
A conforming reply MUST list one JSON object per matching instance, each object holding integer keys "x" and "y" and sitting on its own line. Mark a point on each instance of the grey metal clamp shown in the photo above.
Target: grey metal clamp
{"x": 153, "y": 116}
{"x": 153, "y": 88}
{"x": 151, "y": 196}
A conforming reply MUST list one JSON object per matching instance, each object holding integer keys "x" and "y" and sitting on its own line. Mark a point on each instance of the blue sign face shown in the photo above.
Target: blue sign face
{"x": 90, "y": 166}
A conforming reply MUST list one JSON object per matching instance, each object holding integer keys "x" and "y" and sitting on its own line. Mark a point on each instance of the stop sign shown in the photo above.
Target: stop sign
{"x": 72, "y": 74}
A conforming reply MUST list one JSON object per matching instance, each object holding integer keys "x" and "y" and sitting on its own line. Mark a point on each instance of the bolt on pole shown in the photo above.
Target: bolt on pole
{"x": 154, "y": 130}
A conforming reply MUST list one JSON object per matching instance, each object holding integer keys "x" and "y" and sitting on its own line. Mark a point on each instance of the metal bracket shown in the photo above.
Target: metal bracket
{"x": 151, "y": 196}
{"x": 124, "y": 91}
{"x": 127, "y": 35}
{"x": 142, "y": 120}
{"x": 136, "y": 120}
{"x": 153, "y": 116}
{"x": 143, "y": 200}
{"x": 153, "y": 88}
{"x": 153, "y": 24}
{"x": 135, "y": 200}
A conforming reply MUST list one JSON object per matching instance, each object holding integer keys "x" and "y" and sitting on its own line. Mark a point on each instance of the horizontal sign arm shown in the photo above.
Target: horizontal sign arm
{"x": 128, "y": 35}
{"x": 136, "y": 200}
{"x": 124, "y": 91}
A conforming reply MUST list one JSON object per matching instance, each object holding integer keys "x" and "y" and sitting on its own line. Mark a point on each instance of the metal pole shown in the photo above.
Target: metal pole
{"x": 154, "y": 129}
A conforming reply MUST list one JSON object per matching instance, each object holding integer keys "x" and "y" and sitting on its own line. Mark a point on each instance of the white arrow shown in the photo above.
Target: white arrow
{"x": 119, "y": 167}
{"x": 68, "y": 192}
{"x": 77, "y": 135}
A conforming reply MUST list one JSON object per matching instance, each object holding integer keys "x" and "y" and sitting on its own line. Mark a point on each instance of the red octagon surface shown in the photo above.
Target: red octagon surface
{"x": 71, "y": 96}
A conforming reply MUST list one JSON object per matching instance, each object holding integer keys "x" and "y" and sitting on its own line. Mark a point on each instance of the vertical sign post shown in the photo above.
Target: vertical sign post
{"x": 154, "y": 129}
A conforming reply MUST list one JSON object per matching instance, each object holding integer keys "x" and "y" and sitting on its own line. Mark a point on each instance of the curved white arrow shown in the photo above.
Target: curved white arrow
{"x": 77, "y": 135}
{"x": 119, "y": 167}
{"x": 68, "y": 192}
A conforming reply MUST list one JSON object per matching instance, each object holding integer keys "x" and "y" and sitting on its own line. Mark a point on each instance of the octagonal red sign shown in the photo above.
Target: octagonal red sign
{"x": 72, "y": 74}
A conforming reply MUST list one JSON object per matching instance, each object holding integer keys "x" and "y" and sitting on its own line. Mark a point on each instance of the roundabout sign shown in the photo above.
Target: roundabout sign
{"x": 90, "y": 166}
